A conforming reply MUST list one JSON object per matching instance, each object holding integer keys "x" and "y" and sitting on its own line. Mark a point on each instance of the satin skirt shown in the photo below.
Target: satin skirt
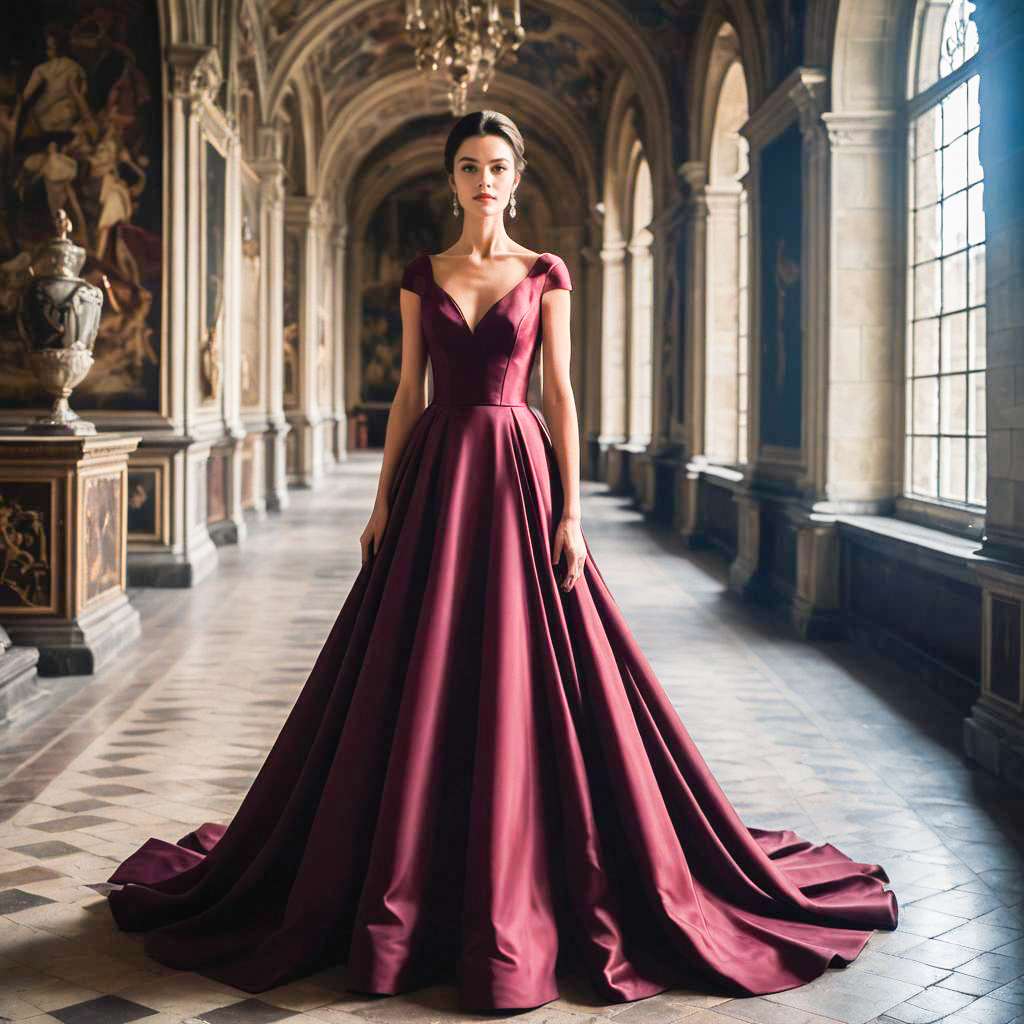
{"x": 483, "y": 782}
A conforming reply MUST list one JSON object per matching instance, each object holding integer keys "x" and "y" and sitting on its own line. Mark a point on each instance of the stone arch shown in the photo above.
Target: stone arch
{"x": 384, "y": 107}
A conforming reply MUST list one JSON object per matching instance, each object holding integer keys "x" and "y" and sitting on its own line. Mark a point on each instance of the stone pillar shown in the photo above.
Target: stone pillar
{"x": 64, "y": 591}
{"x": 664, "y": 456}
{"x": 830, "y": 416}
{"x": 272, "y": 197}
{"x": 687, "y": 516}
{"x": 613, "y": 362}
{"x": 171, "y": 464}
{"x": 592, "y": 275}
{"x": 994, "y": 734}
{"x": 308, "y": 217}
{"x": 338, "y": 418}
{"x": 785, "y": 471}
{"x": 234, "y": 528}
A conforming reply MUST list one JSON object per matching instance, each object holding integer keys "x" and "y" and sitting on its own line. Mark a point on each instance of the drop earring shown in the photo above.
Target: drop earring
{"x": 455, "y": 205}
{"x": 512, "y": 205}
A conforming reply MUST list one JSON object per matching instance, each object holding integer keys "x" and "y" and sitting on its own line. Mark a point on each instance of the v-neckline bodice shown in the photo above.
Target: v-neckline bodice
{"x": 493, "y": 306}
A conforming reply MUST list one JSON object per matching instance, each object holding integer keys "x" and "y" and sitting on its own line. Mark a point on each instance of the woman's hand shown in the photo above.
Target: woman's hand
{"x": 569, "y": 538}
{"x": 374, "y": 531}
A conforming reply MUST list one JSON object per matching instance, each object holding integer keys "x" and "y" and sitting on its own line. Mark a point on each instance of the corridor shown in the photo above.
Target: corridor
{"x": 819, "y": 738}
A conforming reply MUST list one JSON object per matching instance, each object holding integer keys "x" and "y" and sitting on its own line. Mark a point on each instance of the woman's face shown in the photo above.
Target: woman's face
{"x": 484, "y": 165}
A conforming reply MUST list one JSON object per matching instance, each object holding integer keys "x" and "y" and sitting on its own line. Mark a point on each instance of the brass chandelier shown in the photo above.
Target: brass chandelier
{"x": 463, "y": 39}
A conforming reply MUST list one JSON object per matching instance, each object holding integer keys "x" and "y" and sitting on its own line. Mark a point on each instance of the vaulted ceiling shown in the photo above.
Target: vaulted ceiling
{"x": 346, "y": 69}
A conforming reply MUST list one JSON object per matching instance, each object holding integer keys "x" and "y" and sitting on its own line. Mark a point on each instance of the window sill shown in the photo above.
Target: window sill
{"x": 925, "y": 546}
{"x": 943, "y": 549}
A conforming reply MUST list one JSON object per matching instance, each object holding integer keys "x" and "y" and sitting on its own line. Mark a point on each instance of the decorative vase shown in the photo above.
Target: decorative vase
{"x": 58, "y": 318}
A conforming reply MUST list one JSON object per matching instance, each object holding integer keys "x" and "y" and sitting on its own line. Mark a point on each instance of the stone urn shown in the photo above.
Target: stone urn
{"x": 58, "y": 318}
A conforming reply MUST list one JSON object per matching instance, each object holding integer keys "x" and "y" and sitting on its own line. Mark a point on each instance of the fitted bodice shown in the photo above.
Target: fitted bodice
{"x": 488, "y": 364}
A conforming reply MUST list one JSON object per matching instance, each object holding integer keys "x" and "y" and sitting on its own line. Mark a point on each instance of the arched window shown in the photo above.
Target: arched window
{"x": 944, "y": 457}
{"x": 641, "y": 305}
{"x": 726, "y": 380}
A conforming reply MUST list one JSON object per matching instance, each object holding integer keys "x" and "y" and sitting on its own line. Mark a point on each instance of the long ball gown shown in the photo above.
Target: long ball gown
{"x": 482, "y": 778}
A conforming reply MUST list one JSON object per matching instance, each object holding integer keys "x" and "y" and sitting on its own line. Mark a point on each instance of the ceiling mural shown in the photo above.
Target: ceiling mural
{"x": 569, "y": 59}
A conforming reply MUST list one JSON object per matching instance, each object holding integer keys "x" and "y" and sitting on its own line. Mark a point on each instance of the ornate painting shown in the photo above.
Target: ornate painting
{"x": 1005, "y": 650}
{"x": 324, "y": 359}
{"x": 250, "y": 284}
{"x": 144, "y": 501}
{"x": 216, "y": 471}
{"x": 211, "y": 348}
{"x": 26, "y": 545}
{"x": 101, "y": 538}
{"x": 80, "y": 129}
{"x": 292, "y": 269}
{"x": 781, "y": 328}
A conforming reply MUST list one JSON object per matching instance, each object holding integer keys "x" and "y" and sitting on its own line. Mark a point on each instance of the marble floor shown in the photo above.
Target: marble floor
{"x": 821, "y": 738}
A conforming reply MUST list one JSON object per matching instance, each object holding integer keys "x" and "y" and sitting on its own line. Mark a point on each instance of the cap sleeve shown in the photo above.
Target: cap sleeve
{"x": 412, "y": 277}
{"x": 557, "y": 275}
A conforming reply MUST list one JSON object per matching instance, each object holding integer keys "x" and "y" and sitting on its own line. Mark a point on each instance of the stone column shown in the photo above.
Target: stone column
{"x": 338, "y": 425}
{"x": 181, "y": 551}
{"x": 234, "y": 528}
{"x": 687, "y": 515}
{"x": 592, "y": 276}
{"x": 994, "y": 734}
{"x": 272, "y": 196}
{"x": 613, "y": 363}
{"x": 781, "y": 475}
{"x": 830, "y": 416}
{"x": 309, "y": 218}
{"x": 663, "y": 458}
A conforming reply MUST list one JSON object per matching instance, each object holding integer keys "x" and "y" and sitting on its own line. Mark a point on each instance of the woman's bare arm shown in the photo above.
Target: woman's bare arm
{"x": 409, "y": 402}
{"x": 559, "y": 407}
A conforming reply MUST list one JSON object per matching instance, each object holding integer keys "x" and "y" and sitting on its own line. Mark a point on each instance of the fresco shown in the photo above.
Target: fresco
{"x": 781, "y": 329}
{"x": 211, "y": 348}
{"x": 250, "y": 284}
{"x": 325, "y": 362}
{"x": 144, "y": 503}
{"x": 102, "y": 537}
{"x": 80, "y": 128}
{"x": 26, "y": 529}
{"x": 292, "y": 269}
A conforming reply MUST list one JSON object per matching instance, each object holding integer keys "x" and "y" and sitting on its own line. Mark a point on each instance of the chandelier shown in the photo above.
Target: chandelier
{"x": 463, "y": 39}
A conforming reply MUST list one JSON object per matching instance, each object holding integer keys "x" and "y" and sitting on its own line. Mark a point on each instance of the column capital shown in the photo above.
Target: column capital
{"x": 270, "y": 143}
{"x": 272, "y": 188}
{"x": 869, "y": 130}
{"x": 196, "y": 72}
{"x": 802, "y": 91}
{"x": 321, "y": 216}
{"x": 694, "y": 173}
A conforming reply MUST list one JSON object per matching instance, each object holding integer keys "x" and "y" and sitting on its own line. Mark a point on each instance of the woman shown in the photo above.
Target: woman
{"x": 482, "y": 778}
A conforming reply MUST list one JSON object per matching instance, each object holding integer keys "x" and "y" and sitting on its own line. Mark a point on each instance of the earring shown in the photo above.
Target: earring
{"x": 455, "y": 205}
{"x": 512, "y": 206}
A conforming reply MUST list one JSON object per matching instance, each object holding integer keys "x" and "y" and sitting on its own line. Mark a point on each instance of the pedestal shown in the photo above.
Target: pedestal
{"x": 994, "y": 734}
{"x": 815, "y": 609}
{"x": 63, "y": 519}
{"x": 19, "y": 680}
{"x": 746, "y": 579}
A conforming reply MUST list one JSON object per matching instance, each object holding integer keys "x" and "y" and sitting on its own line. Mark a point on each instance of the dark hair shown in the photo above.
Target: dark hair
{"x": 484, "y": 122}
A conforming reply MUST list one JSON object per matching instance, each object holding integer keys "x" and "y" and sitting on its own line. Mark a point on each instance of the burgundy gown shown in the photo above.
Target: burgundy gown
{"x": 482, "y": 777}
